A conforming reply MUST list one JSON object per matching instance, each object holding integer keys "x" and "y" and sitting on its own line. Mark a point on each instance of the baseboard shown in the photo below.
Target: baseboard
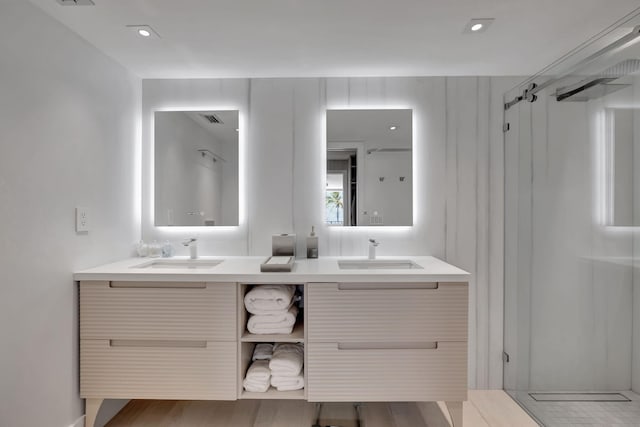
{"x": 108, "y": 410}
{"x": 79, "y": 422}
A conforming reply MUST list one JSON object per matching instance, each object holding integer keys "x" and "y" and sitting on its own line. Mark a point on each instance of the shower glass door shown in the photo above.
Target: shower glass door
{"x": 572, "y": 240}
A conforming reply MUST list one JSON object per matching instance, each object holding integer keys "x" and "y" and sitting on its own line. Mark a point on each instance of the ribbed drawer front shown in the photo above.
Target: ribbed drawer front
{"x": 370, "y": 375}
{"x": 147, "y": 310}
{"x": 160, "y": 371}
{"x": 387, "y": 312}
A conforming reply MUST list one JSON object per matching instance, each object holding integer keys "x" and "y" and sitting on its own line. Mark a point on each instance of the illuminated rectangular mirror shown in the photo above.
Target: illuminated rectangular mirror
{"x": 625, "y": 176}
{"x": 196, "y": 168}
{"x": 369, "y": 179}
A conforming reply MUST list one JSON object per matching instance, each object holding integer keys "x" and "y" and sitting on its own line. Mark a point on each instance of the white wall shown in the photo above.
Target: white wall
{"x": 635, "y": 381}
{"x": 68, "y": 132}
{"x": 458, "y": 177}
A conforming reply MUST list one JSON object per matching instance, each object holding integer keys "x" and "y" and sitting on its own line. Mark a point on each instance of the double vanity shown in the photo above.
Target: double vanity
{"x": 384, "y": 330}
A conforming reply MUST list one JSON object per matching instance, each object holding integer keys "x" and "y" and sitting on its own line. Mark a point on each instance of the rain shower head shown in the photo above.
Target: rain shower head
{"x": 600, "y": 85}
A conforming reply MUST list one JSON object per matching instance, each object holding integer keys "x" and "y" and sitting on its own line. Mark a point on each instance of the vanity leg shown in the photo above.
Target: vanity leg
{"x": 455, "y": 410}
{"x": 91, "y": 408}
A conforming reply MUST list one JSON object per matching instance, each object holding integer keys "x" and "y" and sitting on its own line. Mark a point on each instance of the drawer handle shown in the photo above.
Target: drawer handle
{"x": 158, "y": 343}
{"x": 157, "y": 285}
{"x": 388, "y": 346}
{"x": 386, "y": 286}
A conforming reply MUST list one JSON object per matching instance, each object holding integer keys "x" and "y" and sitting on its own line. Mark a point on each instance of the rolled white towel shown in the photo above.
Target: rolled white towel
{"x": 256, "y": 386}
{"x": 258, "y": 377}
{"x": 281, "y": 323}
{"x": 288, "y": 383}
{"x": 287, "y": 360}
{"x": 263, "y": 351}
{"x": 267, "y": 299}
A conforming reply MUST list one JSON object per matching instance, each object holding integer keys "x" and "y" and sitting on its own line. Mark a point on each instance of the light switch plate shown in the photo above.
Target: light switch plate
{"x": 82, "y": 219}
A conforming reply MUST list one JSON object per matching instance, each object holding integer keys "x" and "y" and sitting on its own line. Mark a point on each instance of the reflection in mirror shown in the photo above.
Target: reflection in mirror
{"x": 196, "y": 168}
{"x": 625, "y": 177}
{"x": 369, "y": 178}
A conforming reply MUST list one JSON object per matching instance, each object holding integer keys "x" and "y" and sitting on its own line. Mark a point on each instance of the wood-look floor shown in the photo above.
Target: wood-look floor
{"x": 485, "y": 408}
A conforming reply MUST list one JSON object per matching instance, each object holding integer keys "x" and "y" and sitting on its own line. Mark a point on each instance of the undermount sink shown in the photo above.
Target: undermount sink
{"x": 180, "y": 263}
{"x": 378, "y": 264}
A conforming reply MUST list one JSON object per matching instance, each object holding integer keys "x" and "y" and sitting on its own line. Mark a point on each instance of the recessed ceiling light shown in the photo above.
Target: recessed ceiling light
{"x": 144, "y": 31}
{"x": 393, "y": 127}
{"x": 478, "y": 25}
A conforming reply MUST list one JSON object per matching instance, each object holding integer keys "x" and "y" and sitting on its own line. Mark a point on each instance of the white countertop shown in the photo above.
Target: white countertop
{"x": 247, "y": 270}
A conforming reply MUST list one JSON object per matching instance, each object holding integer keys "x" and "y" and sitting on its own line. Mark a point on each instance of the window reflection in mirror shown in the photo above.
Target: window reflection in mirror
{"x": 335, "y": 199}
{"x": 196, "y": 168}
{"x": 369, "y": 168}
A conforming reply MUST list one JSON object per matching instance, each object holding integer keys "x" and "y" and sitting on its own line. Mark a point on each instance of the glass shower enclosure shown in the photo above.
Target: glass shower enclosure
{"x": 572, "y": 235}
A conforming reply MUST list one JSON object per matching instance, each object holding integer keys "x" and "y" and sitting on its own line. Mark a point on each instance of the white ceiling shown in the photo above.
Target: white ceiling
{"x": 310, "y": 38}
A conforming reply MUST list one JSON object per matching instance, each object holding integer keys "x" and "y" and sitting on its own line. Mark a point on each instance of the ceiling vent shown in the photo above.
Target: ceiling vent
{"x": 212, "y": 118}
{"x": 76, "y": 2}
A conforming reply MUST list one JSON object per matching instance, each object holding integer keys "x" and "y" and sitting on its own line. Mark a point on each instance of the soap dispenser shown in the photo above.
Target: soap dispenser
{"x": 312, "y": 244}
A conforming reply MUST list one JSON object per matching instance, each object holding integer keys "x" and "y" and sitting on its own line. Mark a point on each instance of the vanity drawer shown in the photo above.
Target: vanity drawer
{"x": 387, "y": 312}
{"x": 158, "y": 370}
{"x": 158, "y": 310}
{"x": 378, "y": 372}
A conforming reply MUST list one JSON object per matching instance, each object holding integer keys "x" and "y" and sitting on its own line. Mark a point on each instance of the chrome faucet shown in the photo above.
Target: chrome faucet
{"x": 373, "y": 244}
{"x": 192, "y": 244}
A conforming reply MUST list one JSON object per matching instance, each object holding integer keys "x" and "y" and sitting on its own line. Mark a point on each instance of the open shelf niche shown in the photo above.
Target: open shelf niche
{"x": 247, "y": 342}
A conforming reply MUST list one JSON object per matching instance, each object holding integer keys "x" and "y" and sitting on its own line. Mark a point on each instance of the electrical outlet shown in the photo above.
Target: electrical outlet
{"x": 82, "y": 219}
